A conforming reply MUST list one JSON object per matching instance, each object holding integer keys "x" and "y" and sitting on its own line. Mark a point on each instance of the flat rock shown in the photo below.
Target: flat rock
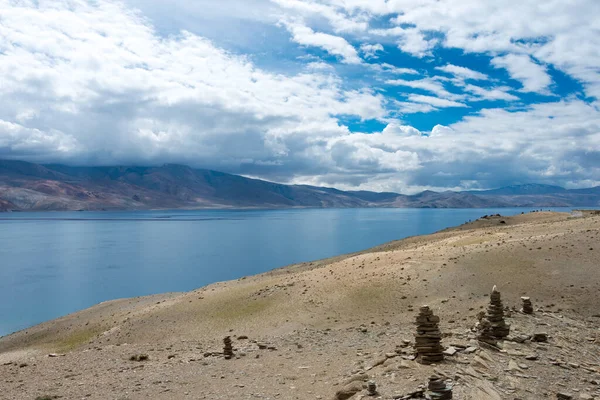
{"x": 348, "y": 391}
{"x": 450, "y": 351}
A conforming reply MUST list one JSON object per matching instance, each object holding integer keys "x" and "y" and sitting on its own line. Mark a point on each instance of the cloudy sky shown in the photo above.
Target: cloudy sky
{"x": 397, "y": 95}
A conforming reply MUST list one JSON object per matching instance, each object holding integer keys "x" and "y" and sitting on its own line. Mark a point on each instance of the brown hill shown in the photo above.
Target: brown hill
{"x": 27, "y": 186}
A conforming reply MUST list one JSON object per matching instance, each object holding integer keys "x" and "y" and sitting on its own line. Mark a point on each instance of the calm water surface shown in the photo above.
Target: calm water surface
{"x": 52, "y": 264}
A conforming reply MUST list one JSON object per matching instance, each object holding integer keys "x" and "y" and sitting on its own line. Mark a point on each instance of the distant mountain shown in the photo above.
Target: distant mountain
{"x": 28, "y": 186}
{"x": 528, "y": 189}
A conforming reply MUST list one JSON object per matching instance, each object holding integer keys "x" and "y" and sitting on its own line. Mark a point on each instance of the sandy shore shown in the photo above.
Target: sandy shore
{"x": 305, "y": 331}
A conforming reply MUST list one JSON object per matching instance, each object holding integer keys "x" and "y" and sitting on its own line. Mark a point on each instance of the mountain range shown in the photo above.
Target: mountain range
{"x": 36, "y": 187}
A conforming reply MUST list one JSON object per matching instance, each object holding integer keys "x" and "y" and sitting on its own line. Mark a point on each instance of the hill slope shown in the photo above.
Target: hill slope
{"x": 28, "y": 186}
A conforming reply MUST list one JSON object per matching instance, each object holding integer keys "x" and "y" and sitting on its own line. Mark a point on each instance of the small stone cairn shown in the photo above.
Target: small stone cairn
{"x": 484, "y": 329}
{"x": 495, "y": 315}
{"x": 527, "y": 306}
{"x": 371, "y": 388}
{"x": 227, "y": 348}
{"x": 428, "y": 337}
{"x": 438, "y": 390}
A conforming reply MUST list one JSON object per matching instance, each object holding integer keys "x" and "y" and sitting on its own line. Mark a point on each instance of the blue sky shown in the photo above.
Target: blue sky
{"x": 386, "y": 95}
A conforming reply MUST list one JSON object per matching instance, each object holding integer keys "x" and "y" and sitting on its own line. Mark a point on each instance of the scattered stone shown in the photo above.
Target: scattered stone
{"x": 438, "y": 390}
{"x": 527, "y": 307}
{"x": 348, "y": 391}
{"x": 356, "y": 378}
{"x": 428, "y": 337}
{"x": 564, "y": 396}
{"x": 139, "y": 357}
{"x": 513, "y": 366}
{"x": 520, "y": 338}
{"x": 227, "y": 348}
{"x": 531, "y": 357}
{"x": 540, "y": 337}
{"x": 450, "y": 351}
{"x": 470, "y": 349}
{"x": 417, "y": 394}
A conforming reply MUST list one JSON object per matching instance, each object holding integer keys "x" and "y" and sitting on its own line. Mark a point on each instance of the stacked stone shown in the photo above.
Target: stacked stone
{"x": 484, "y": 329}
{"x": 527, "y": 306}
{"x": 371, "y": 388}
{"x": 227, "y": 348}
{"x": 495, "y": 314}
{"x": 438, "y": 390}
{"x": 428, "y": 337}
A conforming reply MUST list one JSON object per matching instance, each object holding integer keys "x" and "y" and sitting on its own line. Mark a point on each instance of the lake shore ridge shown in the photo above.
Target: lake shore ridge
{"x": 342, "y": 327}
{"x": 26, "y": 186}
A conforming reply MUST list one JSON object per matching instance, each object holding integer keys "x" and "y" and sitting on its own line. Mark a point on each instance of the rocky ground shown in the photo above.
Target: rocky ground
{"x": 322, "y": 330}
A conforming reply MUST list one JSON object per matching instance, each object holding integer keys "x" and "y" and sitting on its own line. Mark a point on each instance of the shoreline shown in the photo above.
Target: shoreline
{"x": 283, "y": 269}
{"x": 307, "y": 265}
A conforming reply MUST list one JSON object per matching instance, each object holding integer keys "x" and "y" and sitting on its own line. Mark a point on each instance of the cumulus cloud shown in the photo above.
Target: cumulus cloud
{"x": 497, "y": 93}
{"x": 370, "y": 50}
{"x": 434, "y": 101}
{"x": 432, "y": 85}
{"x": 335, "y": 45}
{"x": 463, "y": 72}
{"x": 557, "y": 33}
{"x": 96, "y": 82}
{"x": 106, "y": 89}
{"x": 534, "y": 77}
{"x": 409, "y": 40}
{"x": 340, "y": 21}
{"x": 392, "y": 69}
{"x": 406, "y": 107}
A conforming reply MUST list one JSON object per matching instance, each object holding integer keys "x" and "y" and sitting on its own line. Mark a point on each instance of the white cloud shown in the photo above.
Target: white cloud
{"x": 560, "y": 34}
{"x": 93, "y": 82}
{"x": 370, "y": 50}
{"x": 550, "y": 143}
{"x": 339, "y": 20}
{"x": 334, "y": 45}
{"x": 409, "y": 40}
{"x": 392, "y": 69}
{"x": 429, "y": 84}
{"x": 463, "y": 72}
{"x": 31, "y": 142}
{"x": 496, "y": 93}
{"x": 406, "y": 107}
{"x": 533, "y": 76}
{"x": 396, "y": 129}
{"x": 434, "y": 101}
{"x": 102, "y": 87}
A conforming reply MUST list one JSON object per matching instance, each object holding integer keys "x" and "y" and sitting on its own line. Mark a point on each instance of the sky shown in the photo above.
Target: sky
{"x": 384, "y": 95}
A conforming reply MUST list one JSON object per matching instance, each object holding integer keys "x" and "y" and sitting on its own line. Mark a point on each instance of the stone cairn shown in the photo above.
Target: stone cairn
{"x": 438, "y": 390}
{"x": 484, "y": 329}
{"x": 428, "y": 337}
{"x": 527, "y": 306}
{"x": 371, "y": 388}
{"x": 227, "y": 348}
{"x": 495, "y": 315}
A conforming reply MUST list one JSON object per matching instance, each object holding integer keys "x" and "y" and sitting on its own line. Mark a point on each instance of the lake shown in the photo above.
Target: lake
{"x": 55, "y": 263}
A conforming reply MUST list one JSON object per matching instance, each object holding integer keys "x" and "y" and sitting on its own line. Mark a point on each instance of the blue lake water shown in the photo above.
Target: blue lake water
{"x": 52, "y": 264}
